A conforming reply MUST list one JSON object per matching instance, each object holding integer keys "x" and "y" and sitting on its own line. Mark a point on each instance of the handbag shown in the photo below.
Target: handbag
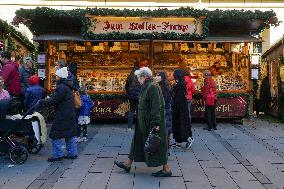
{"x": 77, "y": 100}
{"x": 153, "y": 143}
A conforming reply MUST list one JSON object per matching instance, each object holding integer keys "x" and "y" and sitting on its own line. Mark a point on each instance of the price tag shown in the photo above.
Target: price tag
{"x": 41, "y": 73}
{"x": 134, "y": 47}
{"x": 41, "y": 59}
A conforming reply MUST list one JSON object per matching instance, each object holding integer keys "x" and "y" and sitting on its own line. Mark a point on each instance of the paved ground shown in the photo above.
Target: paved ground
{"x": 235, "y": 156}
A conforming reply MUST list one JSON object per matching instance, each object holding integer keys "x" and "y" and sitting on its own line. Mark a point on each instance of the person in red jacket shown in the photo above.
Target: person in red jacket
{"x": 10, "y": 74}
{"x": 209, "y": 93}
{"x": 190, "y": 90}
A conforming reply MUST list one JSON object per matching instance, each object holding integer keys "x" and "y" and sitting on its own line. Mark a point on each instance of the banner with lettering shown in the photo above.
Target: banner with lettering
{"x": 140, "y": 25}
{"x": 226, "y": 107}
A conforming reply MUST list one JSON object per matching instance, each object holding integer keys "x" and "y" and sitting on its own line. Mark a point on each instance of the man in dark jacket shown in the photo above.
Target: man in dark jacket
{"x": 65, "y": 123}
{"x": 10, "y": 74}
{"x": 132, "y": 88}
{"x": 25, "y": 73}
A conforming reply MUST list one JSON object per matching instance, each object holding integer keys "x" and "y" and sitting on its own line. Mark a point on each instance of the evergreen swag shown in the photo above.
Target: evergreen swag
{"x": 34, "y": 19}
{"x": 9, "y": 32}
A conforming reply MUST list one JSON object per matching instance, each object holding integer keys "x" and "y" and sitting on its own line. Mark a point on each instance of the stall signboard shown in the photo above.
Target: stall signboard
{"x": 226, "y": 107}
{"x": 140, "y": 25}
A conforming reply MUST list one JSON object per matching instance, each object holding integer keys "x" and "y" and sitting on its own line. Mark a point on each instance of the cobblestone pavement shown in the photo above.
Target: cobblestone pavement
{"x": 247, "y": 156}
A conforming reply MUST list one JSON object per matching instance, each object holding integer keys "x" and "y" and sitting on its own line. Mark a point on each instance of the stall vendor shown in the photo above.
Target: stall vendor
{"x": 215, "y": 69}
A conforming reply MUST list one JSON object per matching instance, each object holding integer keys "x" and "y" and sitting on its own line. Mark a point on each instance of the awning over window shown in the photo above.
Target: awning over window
{"x": 217, "y": 39}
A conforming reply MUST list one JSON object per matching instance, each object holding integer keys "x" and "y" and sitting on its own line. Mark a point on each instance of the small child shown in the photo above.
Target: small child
{"x": 34, "y": 93}
{"x": 3, "y": 93}
{"x": 85, "y": 112}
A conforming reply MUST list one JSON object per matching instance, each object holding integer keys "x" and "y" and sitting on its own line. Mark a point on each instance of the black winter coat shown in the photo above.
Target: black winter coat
{"x": 132, "y": 86}
{"x": 181, "y": 123}
{"x": 65, "y": 123}
{"x": 24, "y": 77}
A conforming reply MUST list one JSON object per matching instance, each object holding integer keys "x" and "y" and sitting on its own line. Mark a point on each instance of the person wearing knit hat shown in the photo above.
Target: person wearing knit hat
{"x": 34, "y": 80}
{"x": 34, "y": 93}
{"x": 64, "y": 125}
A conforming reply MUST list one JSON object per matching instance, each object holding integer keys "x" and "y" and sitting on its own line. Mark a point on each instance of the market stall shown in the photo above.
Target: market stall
{"x": 105, "y": 43}
{"x": 13, "y": 41}
{"x": 273, "y": 69}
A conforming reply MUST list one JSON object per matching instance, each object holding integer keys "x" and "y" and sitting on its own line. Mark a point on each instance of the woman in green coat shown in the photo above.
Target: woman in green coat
{"x": 151, "y": 114}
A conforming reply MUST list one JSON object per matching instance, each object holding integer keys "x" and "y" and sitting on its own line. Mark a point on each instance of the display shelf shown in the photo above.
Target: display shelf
{"x": 165, "y": 67}
{"x": 104, "y": 67}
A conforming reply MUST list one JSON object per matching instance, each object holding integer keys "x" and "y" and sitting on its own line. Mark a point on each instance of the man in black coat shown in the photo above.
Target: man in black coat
{"x": 132, "y": 88}
{"x": 65, "y": 123}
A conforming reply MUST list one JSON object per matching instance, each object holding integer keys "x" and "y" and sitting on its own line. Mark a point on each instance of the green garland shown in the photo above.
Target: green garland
{"x": 10, "y": 31}
{"x": 37, "y": 20}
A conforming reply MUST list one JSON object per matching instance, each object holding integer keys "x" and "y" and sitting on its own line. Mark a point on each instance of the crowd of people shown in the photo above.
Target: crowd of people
{"x": 70, "y": 123}
{"x": 166, "y": 108}
{"x": 155, "y": 104}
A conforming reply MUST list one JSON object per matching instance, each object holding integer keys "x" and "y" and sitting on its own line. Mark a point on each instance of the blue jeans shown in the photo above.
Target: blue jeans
{"x": 71, "y": 147}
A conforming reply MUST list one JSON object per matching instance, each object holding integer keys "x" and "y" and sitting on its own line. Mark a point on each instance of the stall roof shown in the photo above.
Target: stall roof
{"x": 273, "y": 46}
{"x": 70, "y": 37}
{"x": 224, "y": 39}
{"x": 58, "y": 37}
{"x": 232, "y": 39}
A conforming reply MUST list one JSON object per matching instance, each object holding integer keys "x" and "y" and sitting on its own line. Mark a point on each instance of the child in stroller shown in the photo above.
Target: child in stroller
{"x": 14, "y": 127}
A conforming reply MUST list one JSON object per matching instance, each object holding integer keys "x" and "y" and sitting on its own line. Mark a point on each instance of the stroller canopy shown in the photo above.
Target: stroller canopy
{"x": 9, "y": 107}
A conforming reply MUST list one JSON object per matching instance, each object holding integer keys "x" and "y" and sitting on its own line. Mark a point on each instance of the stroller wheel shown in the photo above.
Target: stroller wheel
{"x": 18, "y": 154}
{"x": 34, "y": 149}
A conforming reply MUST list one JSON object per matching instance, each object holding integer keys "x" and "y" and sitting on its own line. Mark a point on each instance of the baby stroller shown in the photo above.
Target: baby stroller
{"x": 13, "y": 128}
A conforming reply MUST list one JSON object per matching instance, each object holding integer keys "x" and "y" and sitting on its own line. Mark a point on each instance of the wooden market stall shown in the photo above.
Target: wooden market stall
{"x": 13, "y": 41}
{"x": 273, "y": 68}
{"x": 105, "y": 43}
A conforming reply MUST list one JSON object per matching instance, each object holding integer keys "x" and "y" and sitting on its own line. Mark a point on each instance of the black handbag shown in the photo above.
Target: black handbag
{"x": 153, "y": 143}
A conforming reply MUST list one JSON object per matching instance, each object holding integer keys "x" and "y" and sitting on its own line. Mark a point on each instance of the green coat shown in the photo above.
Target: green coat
{"x": 151, "y": 112}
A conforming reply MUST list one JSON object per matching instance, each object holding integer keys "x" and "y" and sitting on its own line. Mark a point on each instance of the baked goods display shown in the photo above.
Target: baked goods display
{"x": 105, "y": 66}
{"x": 100, "y": 67}
{"x": 103, "y": 80}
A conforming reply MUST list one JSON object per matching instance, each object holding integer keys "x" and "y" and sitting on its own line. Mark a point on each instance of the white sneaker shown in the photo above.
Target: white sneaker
{"x": 84, "y": 139}
{"x": 129, "y": 129}
{"x": 176, "y": 145}
{"x": 189, "y": 142}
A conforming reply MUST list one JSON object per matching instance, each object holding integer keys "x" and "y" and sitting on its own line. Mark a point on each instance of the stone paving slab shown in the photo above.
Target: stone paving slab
{"x": 234, "y": 156}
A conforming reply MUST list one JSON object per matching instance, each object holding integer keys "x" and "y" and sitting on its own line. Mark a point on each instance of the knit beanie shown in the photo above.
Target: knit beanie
{"x": 62, "y": 73}
{"x": 34, "y": 80}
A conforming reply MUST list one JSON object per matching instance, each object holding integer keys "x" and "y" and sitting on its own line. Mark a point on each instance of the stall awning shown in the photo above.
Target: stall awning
{"x": 58, "y": 37}
{"x": 232, "y": 39}
{"x": 217, "y": 39}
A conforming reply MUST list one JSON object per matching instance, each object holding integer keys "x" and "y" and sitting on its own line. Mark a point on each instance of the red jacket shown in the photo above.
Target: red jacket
{"x": 190, "y": 90}
{"x": 209, "y": 91}
{"x": 11, "y": 77}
